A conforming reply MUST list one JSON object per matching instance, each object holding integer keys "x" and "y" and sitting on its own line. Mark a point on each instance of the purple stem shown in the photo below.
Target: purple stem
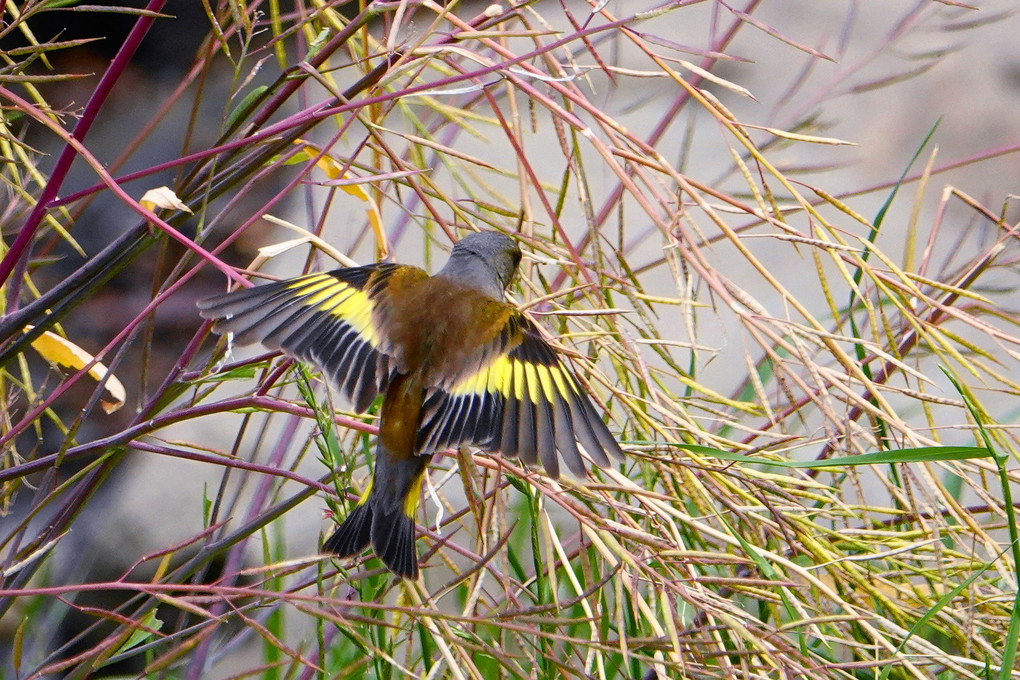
{"x": 197, "y": 666}
{"x": 611, "y": 202}
{"x": 16, "y": 257}
{"x": 331, "y": 107}
{"x": 270, "y": 470}
{"x": 126, "y": 436}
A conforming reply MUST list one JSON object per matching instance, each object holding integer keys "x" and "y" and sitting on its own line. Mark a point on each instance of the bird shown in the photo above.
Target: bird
{"x": 455, "y": 363}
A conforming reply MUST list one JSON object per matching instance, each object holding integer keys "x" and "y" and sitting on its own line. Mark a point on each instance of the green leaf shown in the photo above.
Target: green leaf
{"x": 924, "y": 454}
{"x": 206, "y": 505}
{"x": 242, "y": 110}
{"x": 239, "y": 373}
{"x": 317, "y": 44}
{"x": 138, "y": 636}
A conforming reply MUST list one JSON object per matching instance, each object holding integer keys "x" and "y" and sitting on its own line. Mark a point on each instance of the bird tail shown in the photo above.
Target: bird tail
{"x": 384, "y": 517}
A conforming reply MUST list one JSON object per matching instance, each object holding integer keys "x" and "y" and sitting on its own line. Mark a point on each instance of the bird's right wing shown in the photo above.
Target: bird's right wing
{"x": 520, "y": 401}
{"x": 325, "y": 319}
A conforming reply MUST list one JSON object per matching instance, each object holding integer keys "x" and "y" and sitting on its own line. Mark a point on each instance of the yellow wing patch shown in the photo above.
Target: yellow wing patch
{"x": 539, "y": 382}
{"x": 324, "y": 319}
{"x": 521, "y": 401}
{"x": 327, "y": 294}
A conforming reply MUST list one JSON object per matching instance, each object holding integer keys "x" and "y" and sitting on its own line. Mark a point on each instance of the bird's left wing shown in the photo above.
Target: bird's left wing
{"x": 325, "y": 319}
{"x": 521, "y": 401}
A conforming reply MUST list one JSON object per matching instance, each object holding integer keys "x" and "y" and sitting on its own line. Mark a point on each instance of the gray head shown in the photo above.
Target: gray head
{"x": 486, "y": 261}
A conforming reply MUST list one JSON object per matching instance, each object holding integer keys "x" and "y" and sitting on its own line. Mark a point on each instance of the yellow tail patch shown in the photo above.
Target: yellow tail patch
{"x": 412, "y": 498}
{"x": 366, "y": 493}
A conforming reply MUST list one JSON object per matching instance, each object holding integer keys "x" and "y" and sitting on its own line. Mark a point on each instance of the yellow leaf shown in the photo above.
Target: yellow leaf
{"x": 334, "y": 170}
{"x": 163, "y": 197}
{"x": 63, "y": 352}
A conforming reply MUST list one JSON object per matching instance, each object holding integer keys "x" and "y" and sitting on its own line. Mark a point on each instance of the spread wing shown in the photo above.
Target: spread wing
{"x": 325, "y": 319}
{"x": 521, "y": 401}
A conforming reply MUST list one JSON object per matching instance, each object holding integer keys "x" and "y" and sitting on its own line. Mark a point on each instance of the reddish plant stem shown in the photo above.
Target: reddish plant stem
{"x": 152, "y": 425}
{"x": 224, "y": 461}
{"x": 611, "y": 202}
